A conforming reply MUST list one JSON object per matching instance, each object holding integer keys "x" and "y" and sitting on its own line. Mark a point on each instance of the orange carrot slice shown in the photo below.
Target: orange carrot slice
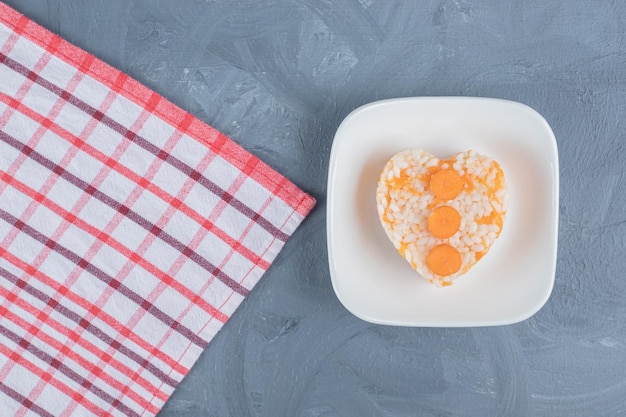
{"x": 443, "y": 260}
{"x": 446, "y": 184}
{"x": 444, "y": 222}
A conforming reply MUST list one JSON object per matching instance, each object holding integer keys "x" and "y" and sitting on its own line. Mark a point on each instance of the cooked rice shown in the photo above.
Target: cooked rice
{"x": 405, "y": 201}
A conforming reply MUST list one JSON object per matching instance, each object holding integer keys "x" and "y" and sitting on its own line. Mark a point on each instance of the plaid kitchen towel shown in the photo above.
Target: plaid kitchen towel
{"x": 130, "y": 231}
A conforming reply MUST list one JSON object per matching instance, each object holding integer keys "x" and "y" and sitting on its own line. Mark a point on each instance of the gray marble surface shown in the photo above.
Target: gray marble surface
{"x": 278, "y": 77}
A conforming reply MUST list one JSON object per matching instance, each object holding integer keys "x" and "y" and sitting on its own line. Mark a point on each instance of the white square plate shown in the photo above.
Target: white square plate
{"x": 513, "y": 281}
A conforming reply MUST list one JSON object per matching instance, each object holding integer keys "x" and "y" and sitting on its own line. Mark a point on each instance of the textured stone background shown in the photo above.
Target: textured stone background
{"x": 279, "y": 76}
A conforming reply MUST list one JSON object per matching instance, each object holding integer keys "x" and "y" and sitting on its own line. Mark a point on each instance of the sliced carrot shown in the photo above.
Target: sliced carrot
{"x": 443, "y": 260}
{"x": 444, "y": 222}
{"x": 446, "y": 184}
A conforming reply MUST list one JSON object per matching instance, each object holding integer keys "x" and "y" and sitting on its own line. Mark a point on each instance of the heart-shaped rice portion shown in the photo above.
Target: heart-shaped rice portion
{"x": 442, "y": 216}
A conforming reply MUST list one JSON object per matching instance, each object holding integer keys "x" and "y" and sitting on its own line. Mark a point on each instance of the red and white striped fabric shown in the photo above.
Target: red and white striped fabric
{"x": 130, "y": 231}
